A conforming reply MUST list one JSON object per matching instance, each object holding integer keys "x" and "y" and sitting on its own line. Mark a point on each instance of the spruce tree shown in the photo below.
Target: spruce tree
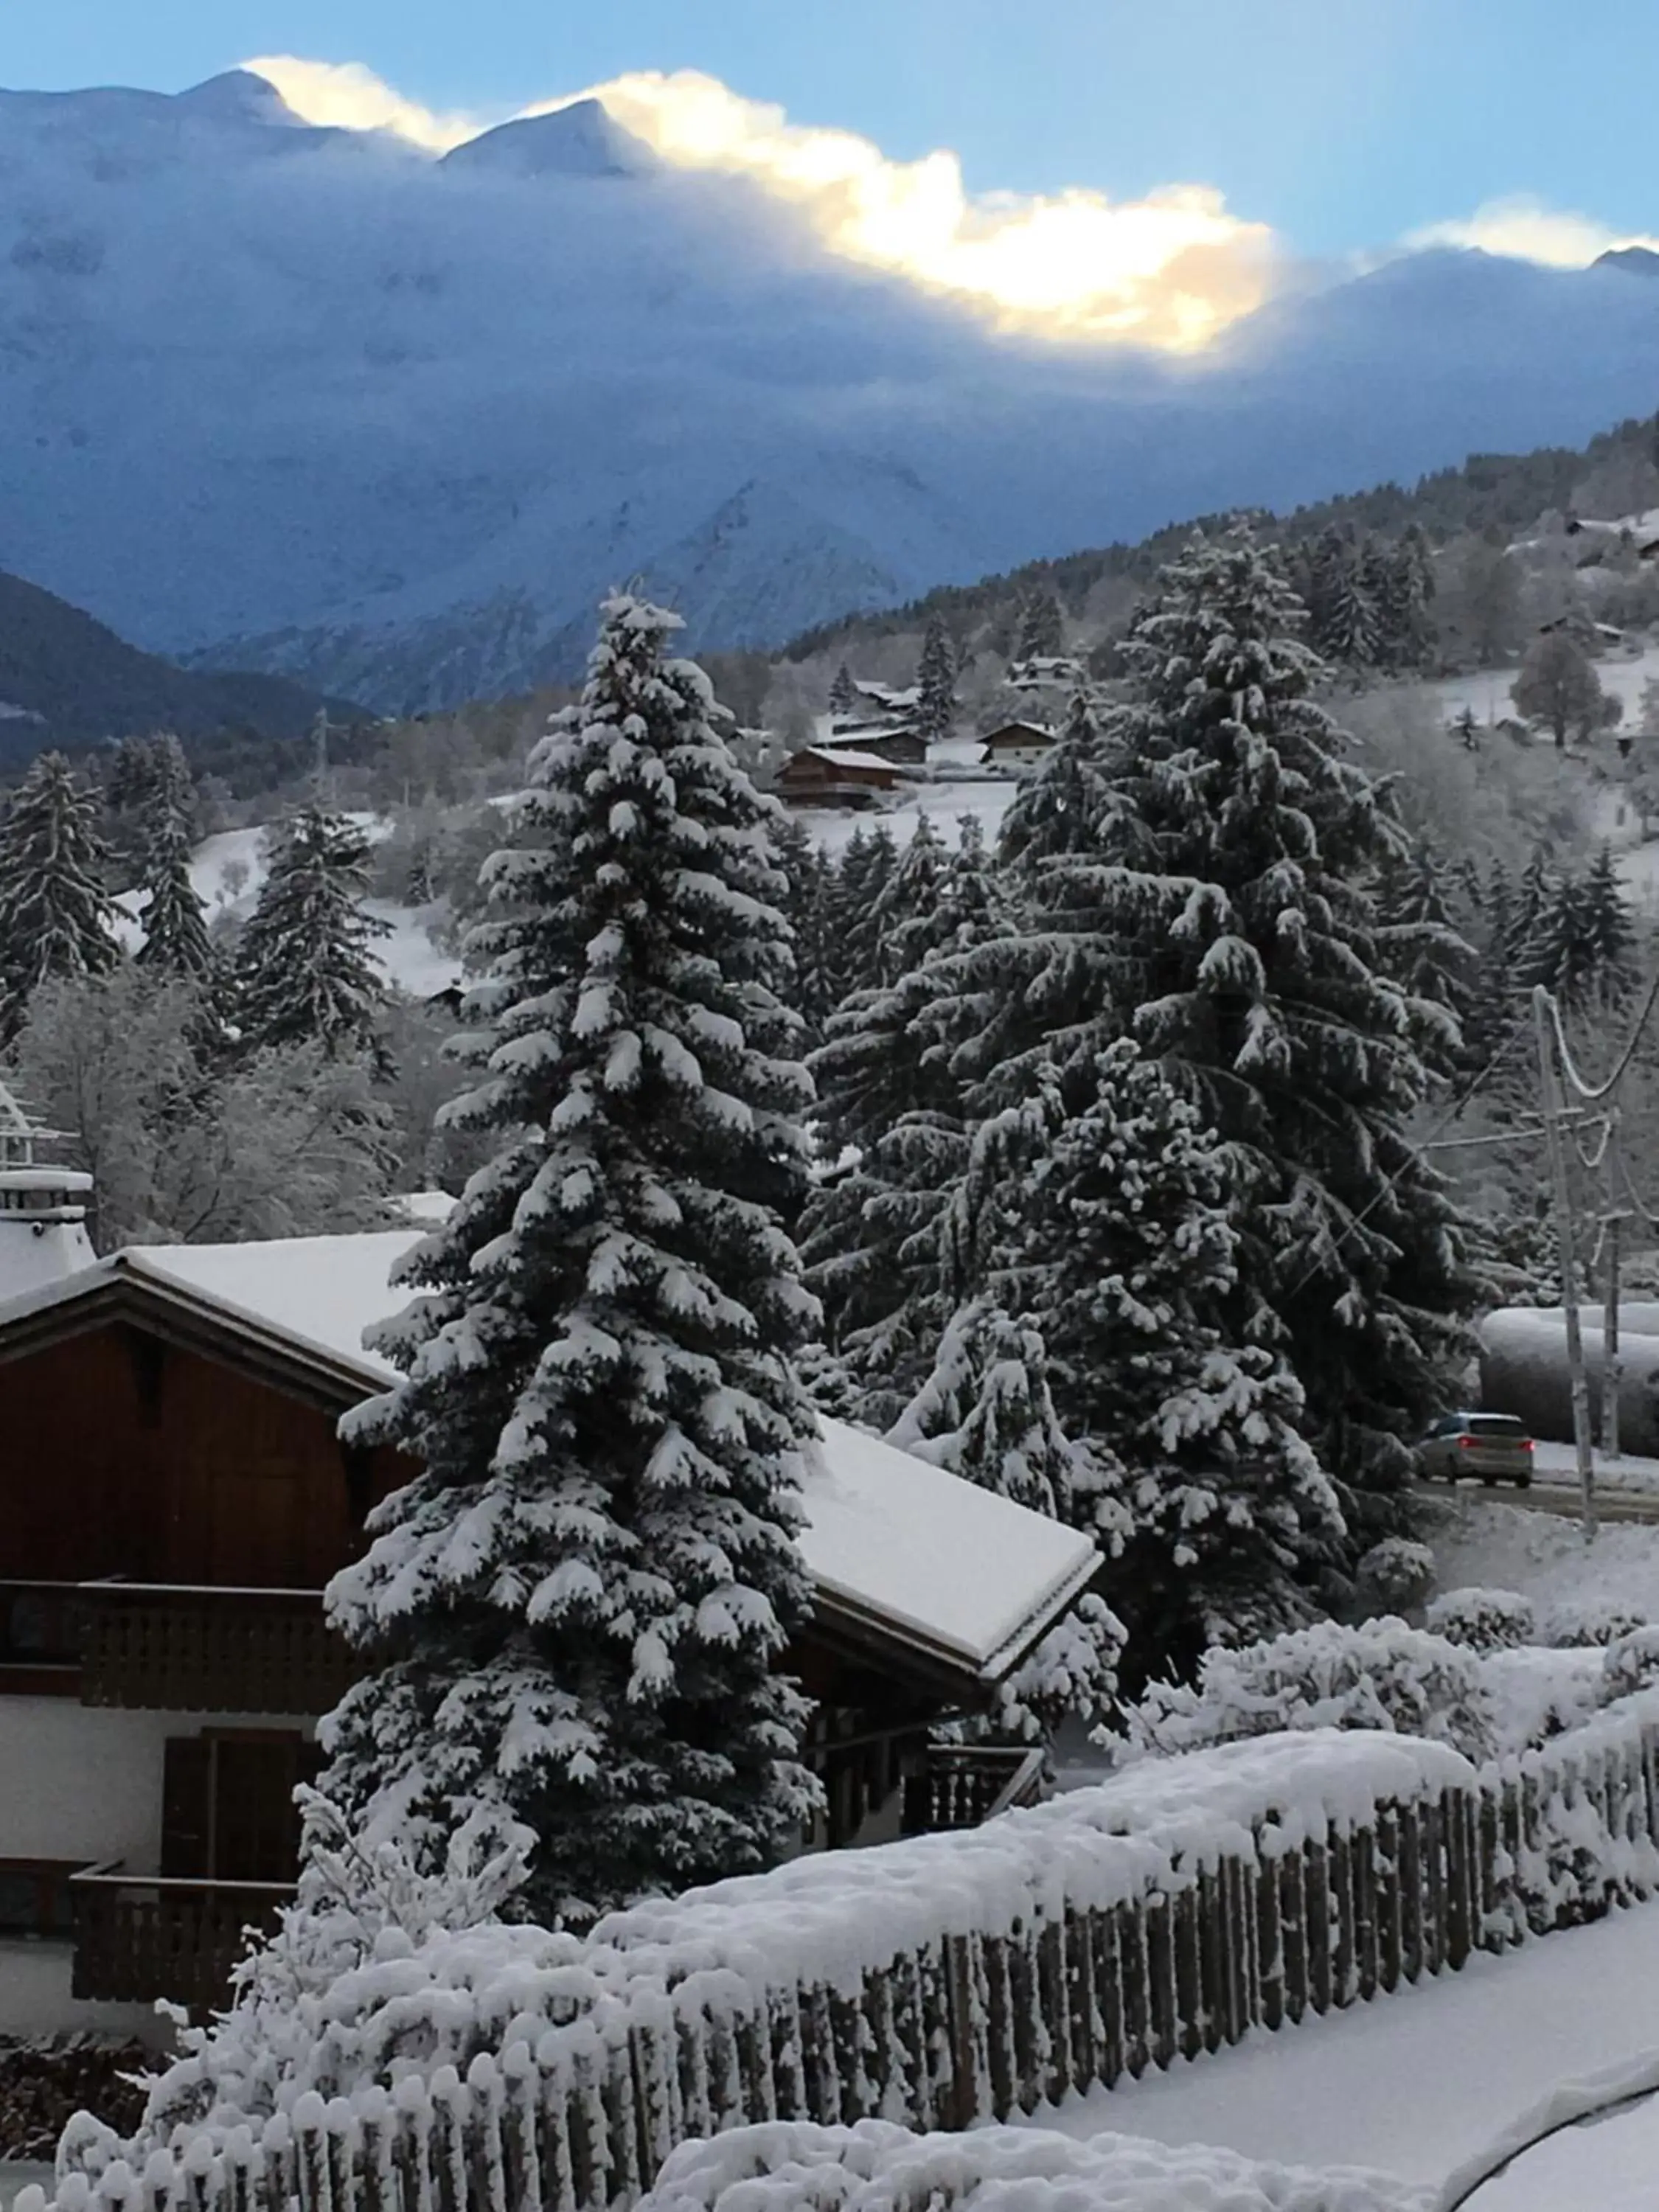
{"x": 303, "y": 971}
{"x": 843, "y": 692}
{"x": 1197, "y": 874}
{"x": 986, "y": 1413}
{"x": 1119, "y": 1243}
{"x": 1041, "y": 634}
{"x": 577, "y": 1609}
{"x": 176, "y": 940}
{"x": 55, "y": 915}
{"x": 936, "y": 684}
{"x": 1418, "y": 942}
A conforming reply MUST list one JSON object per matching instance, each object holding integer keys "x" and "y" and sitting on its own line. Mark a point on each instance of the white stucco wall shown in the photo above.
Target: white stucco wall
{"x": 84, "y": 1782}
{"x": 35, "y": 1999}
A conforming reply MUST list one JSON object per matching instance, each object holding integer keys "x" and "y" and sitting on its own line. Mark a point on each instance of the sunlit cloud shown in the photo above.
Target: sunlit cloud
{"x": 1524, "y": 229}
{"x": 1171, "y": 270}
{"x": 346, "y": 96}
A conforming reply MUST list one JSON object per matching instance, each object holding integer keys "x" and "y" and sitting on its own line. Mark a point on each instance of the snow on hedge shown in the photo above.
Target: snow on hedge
{"x": 878, "y": 2167}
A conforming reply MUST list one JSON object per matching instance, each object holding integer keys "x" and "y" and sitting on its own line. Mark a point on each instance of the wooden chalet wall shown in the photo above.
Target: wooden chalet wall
{"x": 128, "y": 1457}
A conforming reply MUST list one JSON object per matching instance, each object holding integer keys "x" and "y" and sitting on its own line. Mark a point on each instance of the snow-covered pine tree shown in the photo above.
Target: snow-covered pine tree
{"x": 1607, "y": 930}
{"x": 843, "y": 692}
{"x": 1198, "y": 874}
{"x": 303, "y": 967}
{"x": 1419, "y": 943}
{"x": 886, "y": 1095}
{"x": 1116, "y": 1239}
{"x": 55, "y": 915}
{"x": 806, "y": 907}
{"x": 175, "y": 920}
{"x": 1040, "y": 634}
{"x": 1354, "y": 623}
{"x": 985, "y": 1412}
{"x": 577, "y": 1609}
{"x": 936, "y": 683}
{"x": 865, "y": 867}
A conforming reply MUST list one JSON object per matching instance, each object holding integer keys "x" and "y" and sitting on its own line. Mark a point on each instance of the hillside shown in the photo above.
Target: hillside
{"x": 66, "y": 680}
{"x": 312, "y": 401}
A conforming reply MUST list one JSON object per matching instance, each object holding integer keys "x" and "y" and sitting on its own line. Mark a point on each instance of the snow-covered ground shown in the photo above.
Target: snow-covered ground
{"x": 944, "y": 804}
{"x": 1481, "y": 1543}
{"x": 1486, "y": 690}
{"x": 1415, "y": 2083}
{"x": 1607, "y": 2162}
{"x": 229, "y": 870}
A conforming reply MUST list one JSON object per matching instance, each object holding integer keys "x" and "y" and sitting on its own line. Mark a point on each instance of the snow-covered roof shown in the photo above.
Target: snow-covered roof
{"x": 893, "y": 1545}
{"x": 839, "y": 756}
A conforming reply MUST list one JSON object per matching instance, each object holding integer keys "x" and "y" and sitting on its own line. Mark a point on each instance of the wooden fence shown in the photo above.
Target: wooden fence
{"x": 1131, "y": 1949}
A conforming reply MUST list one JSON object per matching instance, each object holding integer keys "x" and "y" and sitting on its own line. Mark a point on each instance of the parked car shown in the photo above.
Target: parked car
{"x": 1493, "y": 1446}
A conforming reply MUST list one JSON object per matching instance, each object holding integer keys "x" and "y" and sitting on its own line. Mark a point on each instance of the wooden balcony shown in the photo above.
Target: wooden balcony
{"x": 139, "y": 1937}
{"x": 210, "y": 1650}
{"x": 962, "y": 1784}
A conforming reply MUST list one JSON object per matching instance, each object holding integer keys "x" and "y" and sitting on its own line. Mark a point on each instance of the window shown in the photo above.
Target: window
{"x": 39, "y": 1625}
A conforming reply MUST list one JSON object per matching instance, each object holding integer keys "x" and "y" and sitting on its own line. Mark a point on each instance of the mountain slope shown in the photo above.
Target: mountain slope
{"x": 67, "y": 680}
{"x": 310, "y": 400}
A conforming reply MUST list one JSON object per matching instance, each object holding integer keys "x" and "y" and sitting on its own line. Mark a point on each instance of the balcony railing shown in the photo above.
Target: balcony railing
{"x": 138, "y": 1936}
{"x": 165, "y": 1648}
{"x": 962, "y": 1784}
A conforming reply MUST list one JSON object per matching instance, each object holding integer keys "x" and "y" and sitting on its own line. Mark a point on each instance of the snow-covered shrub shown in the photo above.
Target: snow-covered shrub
{"x": 373, "y": 1962}
{"x": 1631, "y": 1663}
{"x": 1394, "y": 1576}
{"x": 1483, "y": 1619}
{"x": 1073, "y": 1671}
{"x": 1381, "y": 1674}
{"x": 1576, "y": 1623}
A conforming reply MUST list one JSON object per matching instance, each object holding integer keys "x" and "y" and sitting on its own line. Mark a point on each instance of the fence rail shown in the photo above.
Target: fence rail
{"x": 1094, "y": 1951}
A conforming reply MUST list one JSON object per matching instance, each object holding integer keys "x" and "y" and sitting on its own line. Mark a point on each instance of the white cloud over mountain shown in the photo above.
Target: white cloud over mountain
{"x": 1523, "y": 229}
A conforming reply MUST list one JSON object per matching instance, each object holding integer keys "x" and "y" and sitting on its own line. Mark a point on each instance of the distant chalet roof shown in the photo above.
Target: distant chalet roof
{"x": 899, "y": 1551}
{"x": 846, "y": 757}
{"x": 1020, "y": 733}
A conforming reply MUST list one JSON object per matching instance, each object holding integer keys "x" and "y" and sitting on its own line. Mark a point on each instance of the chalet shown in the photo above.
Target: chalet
{"x": 175, "y": 1499}
{"x": 837, "y": 776}
{"x": 1017, "y": 747}
{"x": 892, "y": 742}
{"x": 1042, "y": 671}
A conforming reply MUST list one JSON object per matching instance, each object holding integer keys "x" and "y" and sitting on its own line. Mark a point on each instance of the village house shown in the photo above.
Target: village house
{"x": 837, "y": 776}
{"x": 176, "y": 1498}
{"x": 1016, "y": 747}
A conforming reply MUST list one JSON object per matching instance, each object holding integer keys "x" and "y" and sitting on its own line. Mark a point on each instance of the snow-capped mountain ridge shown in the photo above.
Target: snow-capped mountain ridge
{"x": 312, "y": 400}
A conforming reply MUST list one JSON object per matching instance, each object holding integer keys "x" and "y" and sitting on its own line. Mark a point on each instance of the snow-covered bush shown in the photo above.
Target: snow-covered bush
{"x": 1483, "y": 1619}
{"x": 1394, "y": 1576}
{"x": 1631, "y": 1663}
{"x": 1381, "y": 1674}
{"x": 1576, "y": 1623}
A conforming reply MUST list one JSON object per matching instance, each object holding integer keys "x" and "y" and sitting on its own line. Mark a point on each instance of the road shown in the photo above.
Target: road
{"x": 1562, "y": 1498}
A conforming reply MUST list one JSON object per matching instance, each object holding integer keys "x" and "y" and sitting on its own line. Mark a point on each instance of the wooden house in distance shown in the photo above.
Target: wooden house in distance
{"x": 174, "y": 1497}
{"x": 1017, "y": 747}
{"x": 837, "y": 776}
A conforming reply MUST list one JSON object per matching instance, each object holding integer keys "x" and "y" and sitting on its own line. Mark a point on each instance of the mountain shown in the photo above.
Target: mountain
{"x": 66, "y": 680}
{"x": 314, "y": 402}
{"x": 1634, "y": 260}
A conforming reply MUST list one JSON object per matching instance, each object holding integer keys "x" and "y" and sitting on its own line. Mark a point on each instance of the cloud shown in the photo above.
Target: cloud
{"x": 348, "y": 97}
{"x": 1524, "y": 229}
{"x": 1171, "y": 271}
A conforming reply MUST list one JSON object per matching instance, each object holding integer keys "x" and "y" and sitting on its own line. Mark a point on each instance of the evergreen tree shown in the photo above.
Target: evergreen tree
{"x": 1608, "y": 927}
{"x": 176, "y": 940}
{"x": 1197, "y": 875}
{"x": 1467, "y": 729}
{"x": 303, "y": 967}
{"x": 1418, "y": 942}
{"x": 55, "y": 917}
{"x": 577, "y": 1606}
{"x": 1115, "y": 1236}
{"x": 858, "y": 906}
{"x": 1040, "y": 633}
{"x": 843, "y": 692}
{"x": 936, "y": 678}
{"x": 1353, "y": 622}
{"x": 806, "y": 907}
{"x": 1581, "y": 939}
{"x": 985, "y": 1412}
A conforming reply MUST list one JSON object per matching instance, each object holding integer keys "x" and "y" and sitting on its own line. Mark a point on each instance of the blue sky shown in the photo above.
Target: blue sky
{"x": 1342, "y": 123}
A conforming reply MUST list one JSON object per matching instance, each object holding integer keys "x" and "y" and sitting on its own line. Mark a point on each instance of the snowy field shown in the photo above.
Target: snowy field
{"x": 1480, "y": 1543}
{"x": 944, "y": 804}
{"x": 1417, "y": 2082}
{"x": 1486, "y": 692}
{"x": 228, "y": 870}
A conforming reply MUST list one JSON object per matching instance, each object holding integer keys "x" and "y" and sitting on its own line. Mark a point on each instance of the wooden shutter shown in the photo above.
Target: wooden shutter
{"x": 257, "y": 1825}
{"x": 186, "y": 1800}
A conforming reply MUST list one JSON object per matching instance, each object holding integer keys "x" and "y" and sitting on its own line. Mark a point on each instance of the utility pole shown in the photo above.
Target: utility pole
{"x": 1567, "y": 1233}
{"x": 1612, "y": 1217}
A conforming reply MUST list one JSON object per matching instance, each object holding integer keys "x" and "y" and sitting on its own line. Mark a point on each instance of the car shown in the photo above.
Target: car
{"x": 1493, "y": 1446}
